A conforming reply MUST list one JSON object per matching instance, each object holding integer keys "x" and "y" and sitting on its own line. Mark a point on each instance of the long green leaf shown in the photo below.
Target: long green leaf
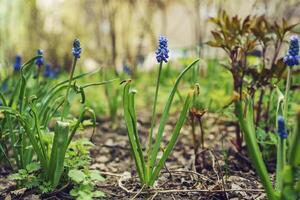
{"x": 80, "y": 119}
{"x": 131, "y": 134}
{"x": 25, "y": 124}
{"x": 173, "y": 139}
{"x": 294, "y": 158}
{"x": 247, "y": 126}
{"x": 135, "y": 131}
{"x": 165, "y": 116}
{"x": 58, "y": 152}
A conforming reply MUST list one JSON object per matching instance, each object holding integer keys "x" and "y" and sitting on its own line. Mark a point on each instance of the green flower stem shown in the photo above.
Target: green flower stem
{"x": 68, "y": 89}
{"x": 281, "y": 146}
{"x": 280, "y": 163}
{"x": 153, "y": 122}
{"x": 286, "y": 96}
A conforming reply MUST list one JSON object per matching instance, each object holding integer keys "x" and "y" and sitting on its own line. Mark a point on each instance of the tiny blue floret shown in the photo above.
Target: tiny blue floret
{"x": 282, "y": 132}
{"x": 48, "y": 72}
{"x": 292, "y": 57}
{"x": 40, "y": 61}
{"x": 17, "y": 64}
{"x": 162, "y": 52}
{"x": 76, "y": 50}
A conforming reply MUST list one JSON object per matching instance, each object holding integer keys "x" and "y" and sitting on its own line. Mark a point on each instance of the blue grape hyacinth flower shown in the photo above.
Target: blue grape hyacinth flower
{"x": 18, "y": 63}
{"x": 40, "y": 61}
{"x": 76, "y": 50}
{"x": 48, "y": 72}
{"x": 282, "y": 132}
{"x": 292, "y": 57}
{"x": 162, "y": 52}
{"x": 126, "y": 69}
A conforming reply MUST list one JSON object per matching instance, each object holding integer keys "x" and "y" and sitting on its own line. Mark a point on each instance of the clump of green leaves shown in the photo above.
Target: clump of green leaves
{"x": 149, "y": 167}
{"x": 31, "y": 178}
{"x": 27, "y": 115}
{"x": 287, "y": 175}
{"x": 83, "y": 179}
{"x": 84, "y": 184}
{"x": 242, "y": 38}
{"x": 76, "y": 166}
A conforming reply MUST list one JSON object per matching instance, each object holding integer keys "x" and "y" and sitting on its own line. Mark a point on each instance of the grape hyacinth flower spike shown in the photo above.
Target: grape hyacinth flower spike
{"x": 76, "y": 49}
{"x": 292, "y": 57}
{"x": 282, "y": 132}
{"x": 162, "y": 52}
{"x": 17, "y": 64}
{"x": 48, "y": 73}
{"x": 40, "y": 61}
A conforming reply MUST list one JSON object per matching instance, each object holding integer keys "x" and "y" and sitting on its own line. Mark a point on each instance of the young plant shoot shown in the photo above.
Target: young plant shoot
{"x": 149, "y": 167}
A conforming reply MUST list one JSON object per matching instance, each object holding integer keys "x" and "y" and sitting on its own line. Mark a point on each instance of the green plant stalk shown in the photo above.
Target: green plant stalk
{"x": 68, "y": 89}
{"x": 247, "y": 126}
{"x": 294, "y": 158}
{"x": 286, "y": 107}
{"x": 131, "y": 134}
{"x": 134, "y": 122}
{"x": 12, "y": 135}
{"x": 294, "y": 153}
{"x": 28, "y": 130}
{"x": 80, "y": 119}
{"x": 281, "y": 146}
{"x": 5, "y": 155}
{"x": 280, "y": 160}
{"x": 23, "y": 83}
{"x": 148, "y": 170}
{"x": 173, "y": 139}
{"x": 165, "y": 115}
{"x": 39, "y": 134}
{"x": 286, "y": 96}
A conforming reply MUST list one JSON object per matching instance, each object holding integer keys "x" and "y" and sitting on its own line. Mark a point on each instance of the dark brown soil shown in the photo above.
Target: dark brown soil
{"x": 218, "y": 171}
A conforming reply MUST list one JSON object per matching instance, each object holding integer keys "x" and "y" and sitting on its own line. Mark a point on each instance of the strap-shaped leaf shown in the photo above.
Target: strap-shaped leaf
{"x": 294, "y": 153}
{"x": 25, "y": 124}
{"x": 5, "y": 155}
{"x": 131, "y": 131}
{"x": 134, "y": 123}
{"x": 38, "y": 130}
{"x": 58, "y": 151}
{"x": 173, "y": 139}
{"x": 247, "y": 126}
{"x": 165, "y": 116}
{"x": 79, "y": 121}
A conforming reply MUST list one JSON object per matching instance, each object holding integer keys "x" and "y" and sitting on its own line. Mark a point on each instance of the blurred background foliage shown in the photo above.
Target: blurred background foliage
{"x": 119, "y": 32}
{"x": 122, "y": 34}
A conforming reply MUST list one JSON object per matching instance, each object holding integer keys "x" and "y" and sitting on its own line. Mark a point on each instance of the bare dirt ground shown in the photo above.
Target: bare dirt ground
{"x": 218, "y": 171}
